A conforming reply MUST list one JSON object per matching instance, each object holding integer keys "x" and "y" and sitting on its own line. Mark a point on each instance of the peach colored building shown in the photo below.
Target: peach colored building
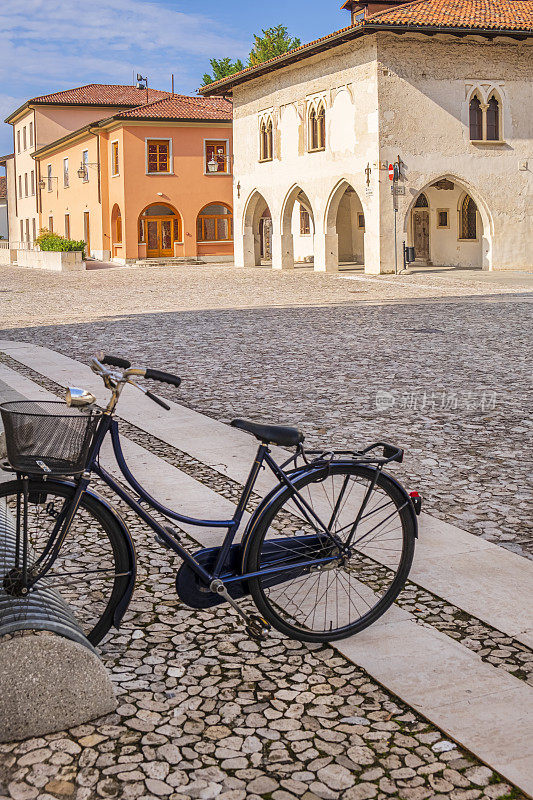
{"x": 145, "y": 180}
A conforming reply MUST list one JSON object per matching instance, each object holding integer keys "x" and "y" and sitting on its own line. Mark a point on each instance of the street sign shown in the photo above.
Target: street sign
{"x": 391, "y": 172}
{"x": 397, "y": 190}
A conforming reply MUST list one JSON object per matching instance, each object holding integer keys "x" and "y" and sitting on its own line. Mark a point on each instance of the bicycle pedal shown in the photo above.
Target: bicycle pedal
{"x": 257, "y": 627}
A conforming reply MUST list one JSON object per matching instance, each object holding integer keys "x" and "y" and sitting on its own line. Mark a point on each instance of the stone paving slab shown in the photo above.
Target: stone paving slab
{"x": 466, "y": 570}
{"x": 432, "y": 673}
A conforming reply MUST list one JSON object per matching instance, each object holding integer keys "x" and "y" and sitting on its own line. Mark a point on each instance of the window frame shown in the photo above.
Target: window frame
{"x": 67, "y": 226}
{"x": 460, "y": 237}
{"x": 51, "y": 224}
{"x": 200, "y": 217}
{"x": 24, "y": 139}
{"x": 31, "y": 134}
{"x": 170, "y": 161}
{"x": 305, "y": 214}
{"x": 115, "y": 158}
{"x": 226, "y": 143}
{"x": 498, "y": 138}
{"x": 18, "y": 141}
{"x": 266, "y": 138}
{"x": 85, "y": 162}
{"x": 316, "y": 127}
{"x": 440, "y": 211}
{"x": 66, "y": 175}
{"x": 26, "y": 185}
{"x": 361, "y": 214}
{"x": 49, "y": 177}
{"x": 32, "y": 183}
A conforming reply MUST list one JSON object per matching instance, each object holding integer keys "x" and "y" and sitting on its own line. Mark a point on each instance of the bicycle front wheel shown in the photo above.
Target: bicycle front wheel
{"x": 366, "y": 553}
{"x": 93, "y": 568}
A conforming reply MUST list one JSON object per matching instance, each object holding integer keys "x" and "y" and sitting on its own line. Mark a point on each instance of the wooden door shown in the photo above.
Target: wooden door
{"x": 166, "y": 242}
{"x": 421, "y": 233}
{"x": 87, "y": 233}
{"x": 152, "y": 238}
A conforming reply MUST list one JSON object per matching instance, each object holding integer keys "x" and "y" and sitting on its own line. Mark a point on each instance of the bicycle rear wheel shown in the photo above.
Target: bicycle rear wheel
{"x": 93, "y": 567}
{"x": 339, "y": 598}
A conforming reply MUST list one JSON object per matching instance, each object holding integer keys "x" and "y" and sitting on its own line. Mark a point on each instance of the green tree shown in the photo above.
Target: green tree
{"x": 222, "y": 69}
{"x": 274, "y": 42}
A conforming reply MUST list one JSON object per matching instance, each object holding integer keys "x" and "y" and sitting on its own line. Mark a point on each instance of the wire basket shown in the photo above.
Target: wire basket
{"x": 48, "y": 437}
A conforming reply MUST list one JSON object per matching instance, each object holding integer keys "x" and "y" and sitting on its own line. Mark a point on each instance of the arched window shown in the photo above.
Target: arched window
{"x": 215, "y": 223}
{"x": 317, "y": 128}
{"x": 468, "y": 218}
{"x": 476, "y": 119}
{"x": 493, "y": 120}
{"x": 422, "y": 201}
{"x": 266, "y": 140}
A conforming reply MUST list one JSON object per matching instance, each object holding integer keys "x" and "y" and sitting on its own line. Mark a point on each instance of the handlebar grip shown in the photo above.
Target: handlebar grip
{"x": 163, "y": 377}
{"x": 158, "y": 401}
{"x": 114, "y": 361}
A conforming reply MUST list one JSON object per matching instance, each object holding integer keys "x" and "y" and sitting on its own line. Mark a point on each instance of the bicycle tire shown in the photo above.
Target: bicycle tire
{"x": 92, "y": 601}
{"x": 257, "y": 554}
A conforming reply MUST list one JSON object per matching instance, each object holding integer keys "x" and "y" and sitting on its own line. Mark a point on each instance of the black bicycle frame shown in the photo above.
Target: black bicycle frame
{"x": 108, "y": 424}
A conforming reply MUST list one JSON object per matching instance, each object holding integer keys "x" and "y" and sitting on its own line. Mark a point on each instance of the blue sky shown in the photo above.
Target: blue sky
{"x": 47, "y": 46}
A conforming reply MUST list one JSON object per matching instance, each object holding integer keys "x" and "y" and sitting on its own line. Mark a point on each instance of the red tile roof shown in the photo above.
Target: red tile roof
{"x": 181, "y": 107}
{"x": 501, "y": 15}
{"x": 101, "y": 94}
{"x": 3, "y": 187}
{"x": 510, "y": 15}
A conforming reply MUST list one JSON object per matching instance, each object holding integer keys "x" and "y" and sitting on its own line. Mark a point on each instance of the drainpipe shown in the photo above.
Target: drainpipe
{"x": 95, "y": 133}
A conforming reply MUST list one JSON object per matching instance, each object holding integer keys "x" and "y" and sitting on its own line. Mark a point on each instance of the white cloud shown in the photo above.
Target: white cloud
{"x": 49, "y": 46}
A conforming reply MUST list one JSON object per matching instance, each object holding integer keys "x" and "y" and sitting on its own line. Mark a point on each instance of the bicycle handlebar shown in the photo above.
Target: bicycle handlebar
{"x": 162, "y": 377}
{"x": 115, "y": 381}
{"x": 114, "y": 361}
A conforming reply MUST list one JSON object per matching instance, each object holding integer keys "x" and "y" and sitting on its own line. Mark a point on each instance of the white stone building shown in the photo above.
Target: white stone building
{"x": 441, "y": 88}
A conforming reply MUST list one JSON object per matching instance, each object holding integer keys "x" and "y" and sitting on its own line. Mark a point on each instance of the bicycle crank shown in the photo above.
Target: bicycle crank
{"x": 256, "y": 626}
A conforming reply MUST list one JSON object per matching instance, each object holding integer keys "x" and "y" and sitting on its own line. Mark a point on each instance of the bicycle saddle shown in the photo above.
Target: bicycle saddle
{"x": 271, "y": 434}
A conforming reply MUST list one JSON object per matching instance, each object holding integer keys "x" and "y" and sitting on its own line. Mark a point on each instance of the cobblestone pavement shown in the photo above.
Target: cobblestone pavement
{"x": 206, "y": 713}
{"x": 440, "y": 365}
{"x": 492, "y": 645}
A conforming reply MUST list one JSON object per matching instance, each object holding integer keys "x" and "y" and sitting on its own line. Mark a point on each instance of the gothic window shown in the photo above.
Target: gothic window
{"x": 493, "y": 120}
{"x": 266, "y": 140}
{"x": 476, "y": 119}
{"x": 422, "y": 201}
{"x": 468, "y": 218}
{"x": 317, "y": 128}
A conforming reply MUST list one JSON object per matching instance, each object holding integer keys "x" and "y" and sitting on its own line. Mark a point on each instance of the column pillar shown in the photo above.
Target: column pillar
{"x": 326, "y": 249}
{"x": 282, "y": 251}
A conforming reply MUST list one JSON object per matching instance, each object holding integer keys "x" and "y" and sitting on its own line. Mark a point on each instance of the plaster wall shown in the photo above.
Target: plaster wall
{"x": 78, "y": 198}
{"x": 4, "y": 227}
{"x": 390, "y": 95}
{"x": 187, "y": 188}
{"x": 24, "y": 165}
{"x": 345, "y": 80}
{"x": 425, "y": 87}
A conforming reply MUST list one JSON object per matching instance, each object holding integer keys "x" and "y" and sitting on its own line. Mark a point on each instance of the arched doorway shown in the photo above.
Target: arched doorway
{"x": 297, "y": 229}
{"x": 116, "y": 232}
{"x": 345, "y": 228}
{"x": 421, "y": 227}
{"x": 257, "y": 232}
{"x": 449, "y": 226}
{"x": 160, "y": 227}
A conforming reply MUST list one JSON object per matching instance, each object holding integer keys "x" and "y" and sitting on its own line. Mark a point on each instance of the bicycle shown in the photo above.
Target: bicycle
{"x": 323, "y": 556}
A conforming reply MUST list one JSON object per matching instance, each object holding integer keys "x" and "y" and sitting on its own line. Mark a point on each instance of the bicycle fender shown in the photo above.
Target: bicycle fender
{"x": 124, "y": 601}
{"x": 408, "y": 500}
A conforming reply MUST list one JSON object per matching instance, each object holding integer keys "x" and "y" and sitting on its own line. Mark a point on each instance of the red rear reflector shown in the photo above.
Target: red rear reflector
{"x": 414, "y": 494}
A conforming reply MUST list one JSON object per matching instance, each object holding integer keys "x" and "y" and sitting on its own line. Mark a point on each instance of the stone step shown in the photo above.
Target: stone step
{"x": 166, "y": 262}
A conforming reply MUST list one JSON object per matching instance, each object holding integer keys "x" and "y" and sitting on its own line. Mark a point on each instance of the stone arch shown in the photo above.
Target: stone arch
{"x": 460, "y": 253}
{"x": 257, "y": 235}
{"x": 345, "y": 227}
{"x": 294, "y": 244}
